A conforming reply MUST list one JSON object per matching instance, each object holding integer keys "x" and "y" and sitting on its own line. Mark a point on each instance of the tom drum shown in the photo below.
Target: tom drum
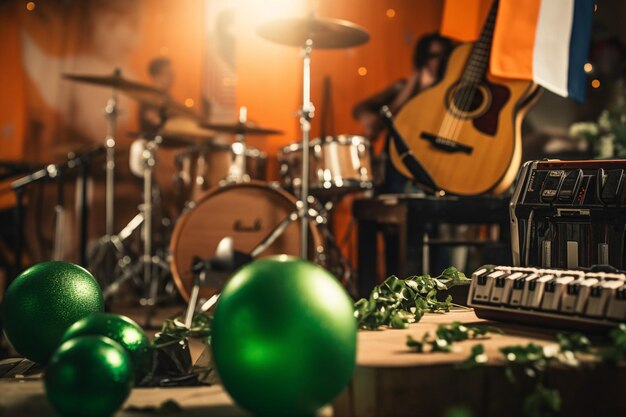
{"x": 338, "y": 164}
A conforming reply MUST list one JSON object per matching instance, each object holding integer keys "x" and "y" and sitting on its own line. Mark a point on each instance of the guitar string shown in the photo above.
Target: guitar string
{"x": 452, "y": 122}
{"x": 451, "y": 126}
{"x": 478, "y": 61}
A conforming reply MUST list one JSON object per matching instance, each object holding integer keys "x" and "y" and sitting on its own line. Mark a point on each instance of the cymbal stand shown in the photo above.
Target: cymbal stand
{"x": 334, "y": 260}
{"x": 306, "y": 115}
{"x": 238, "y": 170}
{"x": 103, "y": 256}
{"x": 150, "y": 280}
{"x": 109, "y": 143}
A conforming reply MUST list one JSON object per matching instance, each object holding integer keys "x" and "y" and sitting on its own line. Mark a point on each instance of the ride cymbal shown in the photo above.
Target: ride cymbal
{"x": 324, "y": 33}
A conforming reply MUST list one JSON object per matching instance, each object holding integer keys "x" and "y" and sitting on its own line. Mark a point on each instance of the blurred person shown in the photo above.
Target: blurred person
{"x": 429, "y": 59}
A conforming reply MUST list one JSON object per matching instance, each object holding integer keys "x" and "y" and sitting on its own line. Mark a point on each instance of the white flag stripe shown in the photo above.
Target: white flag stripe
{"x": 552, "y": 39}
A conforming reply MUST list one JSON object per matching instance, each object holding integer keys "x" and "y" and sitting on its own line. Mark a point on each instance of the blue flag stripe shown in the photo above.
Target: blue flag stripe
{"x": 579, "y": 49}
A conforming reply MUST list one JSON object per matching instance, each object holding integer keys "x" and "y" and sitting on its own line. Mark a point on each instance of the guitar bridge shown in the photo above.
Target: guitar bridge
{"x": 446, "y": 145}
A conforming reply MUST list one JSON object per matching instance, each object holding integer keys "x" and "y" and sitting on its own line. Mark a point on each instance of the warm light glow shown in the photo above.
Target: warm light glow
{"x": 588, "y": 67}
{"x": 30, "y": 6}
{"x": 362, "y": 71}
{"x": 595, "y": 83}
{"x": 595, "y": 7}
{"x": 164, "y": 50}
{"x": 189, "y": 102}
{"x": 227, "y": 82}
{"x": 391, "y": 13}
{"x": 251, "y": 13}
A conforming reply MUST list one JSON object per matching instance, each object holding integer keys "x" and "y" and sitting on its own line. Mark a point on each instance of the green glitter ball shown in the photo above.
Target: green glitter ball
{"x": 43, "y": 301}
{"x": 88, "y": 376}
{"x": 122, "y": 330}
{"x": 284, "y": 337}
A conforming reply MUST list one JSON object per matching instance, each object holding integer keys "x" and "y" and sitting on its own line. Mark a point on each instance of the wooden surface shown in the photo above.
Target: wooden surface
{"x": 392, "y": 380}
{"x": 26, "y": 398}
{"x": 387, "y": 348}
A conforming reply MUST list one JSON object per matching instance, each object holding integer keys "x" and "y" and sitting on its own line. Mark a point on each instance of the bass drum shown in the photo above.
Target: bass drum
{"x": 246, "y": 212}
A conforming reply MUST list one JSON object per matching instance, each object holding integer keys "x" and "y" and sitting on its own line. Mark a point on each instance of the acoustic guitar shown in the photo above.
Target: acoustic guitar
{"x": 465, "y": 130}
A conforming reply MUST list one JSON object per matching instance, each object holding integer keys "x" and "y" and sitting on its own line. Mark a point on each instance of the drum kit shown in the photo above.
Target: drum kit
{"x": 222, "y": 189}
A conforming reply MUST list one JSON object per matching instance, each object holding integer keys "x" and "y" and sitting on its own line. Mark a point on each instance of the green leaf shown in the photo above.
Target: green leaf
{"x": 412, "y": 296}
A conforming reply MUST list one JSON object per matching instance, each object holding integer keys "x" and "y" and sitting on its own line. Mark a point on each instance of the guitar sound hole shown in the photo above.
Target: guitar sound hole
{"x": 468, "y": 98}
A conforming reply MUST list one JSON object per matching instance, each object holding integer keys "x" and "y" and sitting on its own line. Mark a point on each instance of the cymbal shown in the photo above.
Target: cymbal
{"x": 170, "y": 142}
{"x": 141, "y": 92}
{"x": 241, "y": 129}
{"x": 325, "y": 33}
{"x": 179, "y": 132}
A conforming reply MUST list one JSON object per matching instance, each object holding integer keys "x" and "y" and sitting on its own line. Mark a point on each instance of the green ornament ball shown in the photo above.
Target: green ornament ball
{"x": 43, "y": 301}
{"x": 122, "y": 330}
{"x": 88, "y": 376}
{"x": 284, "y": 337}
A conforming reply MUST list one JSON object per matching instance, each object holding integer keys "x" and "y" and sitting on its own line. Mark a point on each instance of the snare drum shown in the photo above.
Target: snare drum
{"x": 226, "y": 212}
{"x": 210, "y": 164}
{"x": 338, "y": 164}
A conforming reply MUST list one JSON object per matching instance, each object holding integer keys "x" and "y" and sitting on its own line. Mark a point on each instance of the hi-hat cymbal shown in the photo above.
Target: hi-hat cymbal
{"x": 141, "y": 92}
{"x": 324, "y": 33}
{"x": 241, "y": 129}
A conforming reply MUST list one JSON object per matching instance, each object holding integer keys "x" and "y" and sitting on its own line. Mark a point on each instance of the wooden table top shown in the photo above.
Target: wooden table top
{"x": 387, "y": 348}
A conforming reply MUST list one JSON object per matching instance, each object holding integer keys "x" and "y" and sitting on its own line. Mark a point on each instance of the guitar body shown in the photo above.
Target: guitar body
{"x": 466, "y": 135}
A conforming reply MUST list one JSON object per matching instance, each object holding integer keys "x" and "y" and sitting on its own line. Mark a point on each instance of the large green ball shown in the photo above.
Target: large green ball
{"x": 284, "y": 337}
{"x": 43, "y": 301}
{"x": 122, "y": 330}
{"x": 88, "y": 376}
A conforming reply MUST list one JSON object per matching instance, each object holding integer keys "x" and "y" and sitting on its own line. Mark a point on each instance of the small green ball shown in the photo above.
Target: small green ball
{"x": 122, "y": 330}
{"x": 43, "y": 301}
{"x": 88, "y": 376}
{"x": 284, "y": 337}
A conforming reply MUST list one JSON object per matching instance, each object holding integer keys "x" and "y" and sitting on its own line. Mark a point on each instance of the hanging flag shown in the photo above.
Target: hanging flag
{"x": 546, "y": 41}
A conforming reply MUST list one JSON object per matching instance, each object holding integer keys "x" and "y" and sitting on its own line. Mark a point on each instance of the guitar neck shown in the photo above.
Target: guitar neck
{"x": 478, "y": 62}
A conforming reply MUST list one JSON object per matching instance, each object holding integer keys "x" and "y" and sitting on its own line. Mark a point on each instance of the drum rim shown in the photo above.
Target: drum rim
{"x": 344, "y": 139}
{"x": 314, "y": 232}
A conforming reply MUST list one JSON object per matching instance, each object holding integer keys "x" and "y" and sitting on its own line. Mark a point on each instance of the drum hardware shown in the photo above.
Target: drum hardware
{"x": 105, "y": 250}
{"x": 225, "y": 211}
{"x": 10, "y": 169}
{"x": 237, "y": 171}
{"x": 221, "y": 266}
{"x": 227, "y": 260}
{"x": 59, "y": 217}
{"x": 109, "y": 251}
{"x": 78, "y": 160}
{"x": 149, "y": 269}
{"x": 306, "y": 33}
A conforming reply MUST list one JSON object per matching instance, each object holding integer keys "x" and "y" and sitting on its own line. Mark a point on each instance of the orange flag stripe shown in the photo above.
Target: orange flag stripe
{"x": 463, "y": 19}
{"x": 512, "y": 54}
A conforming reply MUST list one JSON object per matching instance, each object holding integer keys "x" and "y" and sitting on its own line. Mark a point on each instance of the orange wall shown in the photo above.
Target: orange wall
{"x": 11, "y": 87}
{"x": 11, "y": 97}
